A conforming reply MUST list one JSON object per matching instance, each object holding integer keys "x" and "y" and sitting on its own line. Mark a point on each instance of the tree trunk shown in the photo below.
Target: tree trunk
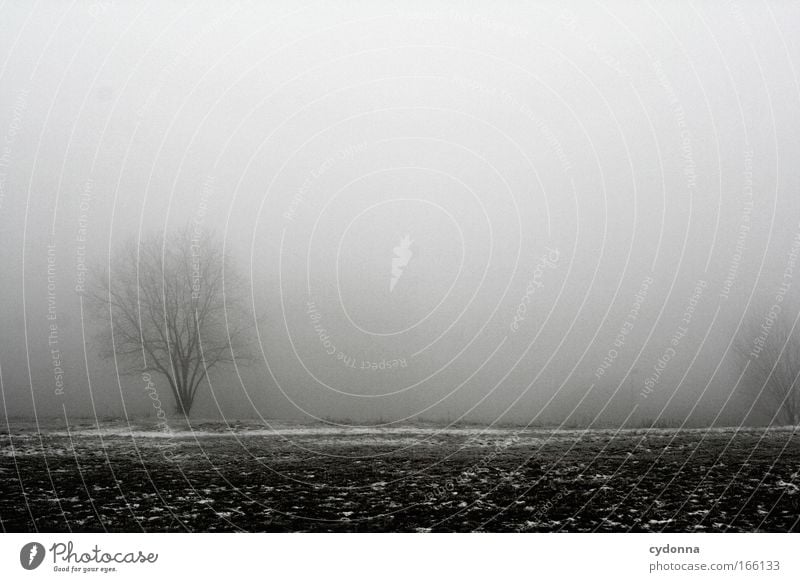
{"x": 183, "y": 405}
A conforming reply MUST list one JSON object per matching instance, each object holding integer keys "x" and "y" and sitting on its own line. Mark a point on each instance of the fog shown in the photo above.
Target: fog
{"x": 444, "y": 211}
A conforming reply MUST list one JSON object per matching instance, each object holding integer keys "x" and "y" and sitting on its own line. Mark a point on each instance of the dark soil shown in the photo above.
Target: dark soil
{"x": 535, "y": 480}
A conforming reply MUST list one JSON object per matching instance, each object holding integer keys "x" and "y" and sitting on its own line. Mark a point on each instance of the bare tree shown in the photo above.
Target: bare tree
{"x": 173, "y": 306}
{"x": 772, "y": 348}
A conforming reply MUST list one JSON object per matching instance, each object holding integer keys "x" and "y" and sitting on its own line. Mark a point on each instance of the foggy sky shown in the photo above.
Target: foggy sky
{"x": 612, "y": 166}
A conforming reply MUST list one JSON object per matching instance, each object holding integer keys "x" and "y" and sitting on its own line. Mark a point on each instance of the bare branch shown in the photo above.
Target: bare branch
{"x": 163, "y": 305}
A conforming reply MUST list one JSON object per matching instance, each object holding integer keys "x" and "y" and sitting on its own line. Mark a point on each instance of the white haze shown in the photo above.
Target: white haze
{"x": 554, "y": 156}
